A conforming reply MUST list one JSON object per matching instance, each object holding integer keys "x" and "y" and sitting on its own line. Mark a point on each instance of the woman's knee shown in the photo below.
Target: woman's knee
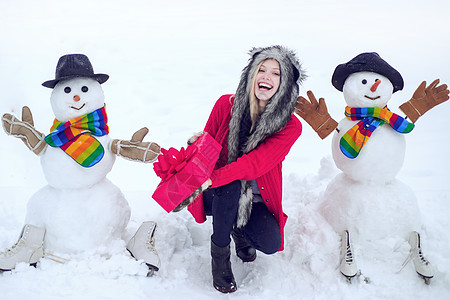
{"x": 271, "y": 245}
{"x": 269, "y": 241}
{"x": 263, "y": 230}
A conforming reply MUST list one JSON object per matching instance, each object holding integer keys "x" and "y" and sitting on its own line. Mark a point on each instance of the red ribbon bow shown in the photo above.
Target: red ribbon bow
{"x": 172, "y": 161}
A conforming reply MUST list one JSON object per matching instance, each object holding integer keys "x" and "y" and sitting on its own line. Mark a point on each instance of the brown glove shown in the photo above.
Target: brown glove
{"x": 316, "y": 114}
{"x": 24, "y": 130}
{"x": 425, "y": 99}
{"x": 136, "y": 149}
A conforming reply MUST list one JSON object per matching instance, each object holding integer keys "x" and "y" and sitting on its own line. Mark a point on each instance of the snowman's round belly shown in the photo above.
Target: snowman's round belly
{"x": 380, "y": 159}
{"x": 62, "y": 171}
{"x": 79, "y": 219}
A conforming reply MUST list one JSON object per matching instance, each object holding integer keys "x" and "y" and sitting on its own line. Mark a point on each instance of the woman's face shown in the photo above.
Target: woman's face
{"x": 267, "y": 80}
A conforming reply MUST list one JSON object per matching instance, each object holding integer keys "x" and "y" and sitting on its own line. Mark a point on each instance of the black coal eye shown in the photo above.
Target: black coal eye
{"x": 67, "y": 89}
{"x": 364, "y": 81}
{"x": 84, "y": 89}
{"x": 377, "y": 80}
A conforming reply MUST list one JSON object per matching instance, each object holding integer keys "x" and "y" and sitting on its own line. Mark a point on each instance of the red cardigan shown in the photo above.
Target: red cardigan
{"x": 264, "y": 163}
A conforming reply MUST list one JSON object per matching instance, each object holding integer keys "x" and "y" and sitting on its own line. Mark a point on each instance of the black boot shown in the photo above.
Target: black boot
{"x": 243, "y": 249}
{"x": 223, "y": 279}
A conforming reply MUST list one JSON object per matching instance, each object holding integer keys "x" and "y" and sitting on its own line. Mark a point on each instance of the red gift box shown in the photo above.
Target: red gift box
{"x": 182, "y": 172}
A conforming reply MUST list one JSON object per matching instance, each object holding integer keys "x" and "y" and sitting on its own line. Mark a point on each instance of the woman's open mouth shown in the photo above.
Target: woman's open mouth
{"x": 264, "y": 86}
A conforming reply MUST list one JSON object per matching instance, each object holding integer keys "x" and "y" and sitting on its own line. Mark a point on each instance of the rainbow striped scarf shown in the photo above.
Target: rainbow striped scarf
{"x": 371, "y": 117}
{"x": 75, "y": 137}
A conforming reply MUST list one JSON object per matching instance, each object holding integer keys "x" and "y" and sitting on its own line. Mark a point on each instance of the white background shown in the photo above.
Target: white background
{"x": 168, "y": 62}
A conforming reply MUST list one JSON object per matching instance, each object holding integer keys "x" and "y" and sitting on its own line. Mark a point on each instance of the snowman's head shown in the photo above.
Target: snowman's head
{"x": 76, "y": 97}
{"x": 367, "y": 89}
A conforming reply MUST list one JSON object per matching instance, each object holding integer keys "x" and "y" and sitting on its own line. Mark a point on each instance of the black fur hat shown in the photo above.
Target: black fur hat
{"x": 74, "y": 65}
{"x": 371, "y": 62}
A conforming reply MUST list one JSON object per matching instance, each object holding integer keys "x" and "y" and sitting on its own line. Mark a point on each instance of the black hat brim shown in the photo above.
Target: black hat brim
{"x": 370, "y": 62}
{"x": 101, "y": 78}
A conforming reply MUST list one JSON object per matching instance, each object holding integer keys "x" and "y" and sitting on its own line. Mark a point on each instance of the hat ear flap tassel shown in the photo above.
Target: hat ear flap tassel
{"x": 245, "y": 204}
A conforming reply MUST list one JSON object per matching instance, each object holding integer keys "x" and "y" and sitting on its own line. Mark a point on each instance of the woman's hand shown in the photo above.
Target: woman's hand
{"x": 193, "y": 138}
{"x": 192, "y": 197}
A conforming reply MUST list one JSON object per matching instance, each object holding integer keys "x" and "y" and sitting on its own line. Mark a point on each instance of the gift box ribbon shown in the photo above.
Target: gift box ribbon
{"x": 172, "y": 161}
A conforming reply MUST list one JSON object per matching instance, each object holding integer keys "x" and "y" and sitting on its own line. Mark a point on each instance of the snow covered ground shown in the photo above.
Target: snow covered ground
{"x": 168, "y": 62}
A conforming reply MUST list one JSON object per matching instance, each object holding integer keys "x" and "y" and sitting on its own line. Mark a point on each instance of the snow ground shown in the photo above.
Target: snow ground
{"x": 168, "y": 62}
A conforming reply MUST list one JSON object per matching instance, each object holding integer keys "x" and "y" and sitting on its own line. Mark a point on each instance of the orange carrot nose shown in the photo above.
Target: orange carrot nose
{"x": 375, "y": 85}
{"x": 76, "y": 98}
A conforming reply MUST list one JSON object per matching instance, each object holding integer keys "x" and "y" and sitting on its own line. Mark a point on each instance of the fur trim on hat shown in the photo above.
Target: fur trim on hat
{"x": 275, "y": 116}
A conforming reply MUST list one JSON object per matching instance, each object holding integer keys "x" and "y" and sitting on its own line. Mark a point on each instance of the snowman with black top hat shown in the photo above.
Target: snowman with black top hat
{"x": 80, "y": 209}
{"x": 366, "y": 201}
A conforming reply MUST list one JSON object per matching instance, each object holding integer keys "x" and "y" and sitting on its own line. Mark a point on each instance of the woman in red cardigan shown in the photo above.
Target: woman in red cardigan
{"x": 256, "y": 129}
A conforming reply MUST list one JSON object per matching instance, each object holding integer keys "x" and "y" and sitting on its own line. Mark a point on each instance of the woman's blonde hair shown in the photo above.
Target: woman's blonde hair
{"x": 254, "y": 108}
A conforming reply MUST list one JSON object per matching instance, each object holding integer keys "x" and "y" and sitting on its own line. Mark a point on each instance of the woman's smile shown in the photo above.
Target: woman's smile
{"x": 267, "y": 80}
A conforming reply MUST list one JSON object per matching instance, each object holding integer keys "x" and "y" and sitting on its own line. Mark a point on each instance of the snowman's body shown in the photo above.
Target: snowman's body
{"x": 70, "y": 175}
{"x": 386, "y": 147}
{"x": 79, "y": 208}
{"x": 366, "y": 198}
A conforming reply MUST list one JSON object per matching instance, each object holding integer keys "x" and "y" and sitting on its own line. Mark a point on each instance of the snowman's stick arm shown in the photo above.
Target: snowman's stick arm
{"x": 24, "y": 130}
{"x": 315, "y": 113}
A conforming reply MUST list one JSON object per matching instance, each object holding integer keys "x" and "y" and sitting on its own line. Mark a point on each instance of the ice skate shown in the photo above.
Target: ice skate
{"x": 348, "y": 266}
{"x": 421, "y": 264}
{"x": 142, "y": 246}
{"x": 28, "y": 249}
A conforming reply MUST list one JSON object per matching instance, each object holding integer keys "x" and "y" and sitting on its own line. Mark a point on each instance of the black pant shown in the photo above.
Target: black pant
{"x": 261, "y": 231}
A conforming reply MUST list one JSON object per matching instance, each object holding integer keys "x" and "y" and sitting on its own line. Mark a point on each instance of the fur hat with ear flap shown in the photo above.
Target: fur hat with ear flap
{"x": 275, "y": 116}
{"x": 280, "y": 107}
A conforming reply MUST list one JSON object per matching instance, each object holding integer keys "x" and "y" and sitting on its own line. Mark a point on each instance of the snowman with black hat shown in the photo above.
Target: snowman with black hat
{"x": 369, "y": 148}
{"x": 79, "y": 209}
